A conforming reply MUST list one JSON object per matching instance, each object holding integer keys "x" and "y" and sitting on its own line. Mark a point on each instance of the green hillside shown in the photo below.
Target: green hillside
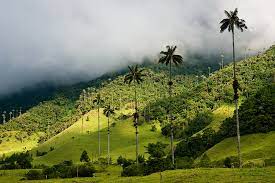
{"x": 255, "y": 147}
{"x": 69, "y": 144}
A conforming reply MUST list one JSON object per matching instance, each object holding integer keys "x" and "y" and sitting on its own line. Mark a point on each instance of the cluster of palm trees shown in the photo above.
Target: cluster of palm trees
{"x": 12, "y": 114}
{"x": 169, "y": 57}
{"x": 135, "y": 75}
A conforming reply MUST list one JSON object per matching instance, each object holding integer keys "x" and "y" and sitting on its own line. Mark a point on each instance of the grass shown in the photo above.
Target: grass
{"x": 69, "y": 144}
{"x": 10, "y": 144}
{"x": 253, "y": 147}
{"x": 224, "y": 175}
{"x": 219, "y": 115}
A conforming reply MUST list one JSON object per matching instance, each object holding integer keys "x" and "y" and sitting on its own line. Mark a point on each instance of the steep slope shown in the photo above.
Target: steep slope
{"x": 255, "y": 148}
{"x": 69, "y": 144}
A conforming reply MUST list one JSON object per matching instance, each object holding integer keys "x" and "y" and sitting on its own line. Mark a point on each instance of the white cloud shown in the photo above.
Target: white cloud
{"x": 66, "y": 39}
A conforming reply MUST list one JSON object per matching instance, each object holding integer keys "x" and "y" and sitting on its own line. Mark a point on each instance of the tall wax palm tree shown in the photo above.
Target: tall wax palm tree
{"x": 108, "y": 111}
{"x": 231, "y": 22}
{"x": 135, "y": 75}
{"x": 168, "y": 58}
{"x": 98, "y": 101}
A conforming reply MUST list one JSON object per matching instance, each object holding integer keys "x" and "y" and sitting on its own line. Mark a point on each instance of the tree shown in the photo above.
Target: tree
{"x": 108, "y": 111}
{"x": 135, "y": 75}
{"x": 168, "y": 58}
{"x": 84, "y": 156}
{"x": 98, "y": 101}
{"x": 230, "y": 22}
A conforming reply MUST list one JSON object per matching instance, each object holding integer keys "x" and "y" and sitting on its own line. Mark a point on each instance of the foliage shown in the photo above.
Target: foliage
{"x": 65, "y": 169}
{"x": 84, "y": 157}
{"x": 156, "y": 150}
{"x": 34, "y": 175}
{"x": 17, "y": 161}
{"x": 133, "y": 170}
{"x": 256, "y": 114}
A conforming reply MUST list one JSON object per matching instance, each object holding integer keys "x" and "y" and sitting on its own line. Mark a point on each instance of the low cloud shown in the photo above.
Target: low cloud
{"x": 66, "y": 41}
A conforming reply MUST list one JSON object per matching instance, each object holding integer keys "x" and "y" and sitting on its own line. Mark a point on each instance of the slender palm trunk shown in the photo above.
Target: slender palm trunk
{"x": 82, "y": 124}
{"x": 136, "y": 124}
{"x": 98, "y": 121}
{"x": 236, "y": 103}
{"x": 108, "y": 140}
{"x": 170, "y": 114}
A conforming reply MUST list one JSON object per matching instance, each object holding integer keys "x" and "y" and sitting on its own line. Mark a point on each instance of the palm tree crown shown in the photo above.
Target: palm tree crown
{"x": 232, "y": 21}
{"x": 98, "y": 100}
{"x": 169, "y": 56}
{"x": 135, "y": 75}
{"x": 108, "y": 111}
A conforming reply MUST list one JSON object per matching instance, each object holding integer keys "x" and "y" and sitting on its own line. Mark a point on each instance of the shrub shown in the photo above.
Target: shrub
{"x": 34, "y": 175}
{"x": 141, "y": 158}
{"x": 84, "y": 157}
{"x": 86, "y": 170}
{"x": 157, "y": 165}
{"x": 133, "y": 170}
{"x": 156, "y": 150}
{"x": 124, "y": 162}
{"x": 18, "y": 161}
{"x": 231, "y": 162}
{"x": 51, "y": 148}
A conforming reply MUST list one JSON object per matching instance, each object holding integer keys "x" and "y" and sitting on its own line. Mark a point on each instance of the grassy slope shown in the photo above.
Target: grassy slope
{"x": 254, "y": 147}
{"x": 70, "y": 143}
{"x": 13, "y": 145}
{"x": 219, "y": 115}
{"x": 172, "y": 176}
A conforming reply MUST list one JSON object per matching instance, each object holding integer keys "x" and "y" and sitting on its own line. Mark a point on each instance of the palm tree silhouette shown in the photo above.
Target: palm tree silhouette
{"x": 98, "y": 101}
{"x": 168, "y": 58}
{"x": 108, "y": 111}
{"x": 135, "y": 75}
{"x": 230, "y": 22}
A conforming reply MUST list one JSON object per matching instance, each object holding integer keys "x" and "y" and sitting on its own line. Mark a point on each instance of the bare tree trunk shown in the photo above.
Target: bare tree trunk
{"x": 98, "y": 121}
{"x": 82, "y": 124}
{"x": 108, "y": 140}
{"x": 236, "y": 101}
{"x": 170, "y": 115}
{"x": 136, "y": 124}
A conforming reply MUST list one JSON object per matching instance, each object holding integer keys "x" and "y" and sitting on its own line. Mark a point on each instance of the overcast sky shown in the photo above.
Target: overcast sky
{"x": 65, "y": 40}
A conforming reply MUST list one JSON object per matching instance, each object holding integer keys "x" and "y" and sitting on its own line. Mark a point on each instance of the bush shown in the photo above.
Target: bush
{"x": 86, "y": 170}
{"x": 84, "y": 157}
{"x": 231, "y": 162}
{"x": 124, "y": 162}
{"x": 133, "y": 170}
{"x": 34, "y": 175}
{"x": 156, "y": 150}
{"x": 157, "y": 165}
{"x": 17, "y": 161}
{"x": 67, "y": 170}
